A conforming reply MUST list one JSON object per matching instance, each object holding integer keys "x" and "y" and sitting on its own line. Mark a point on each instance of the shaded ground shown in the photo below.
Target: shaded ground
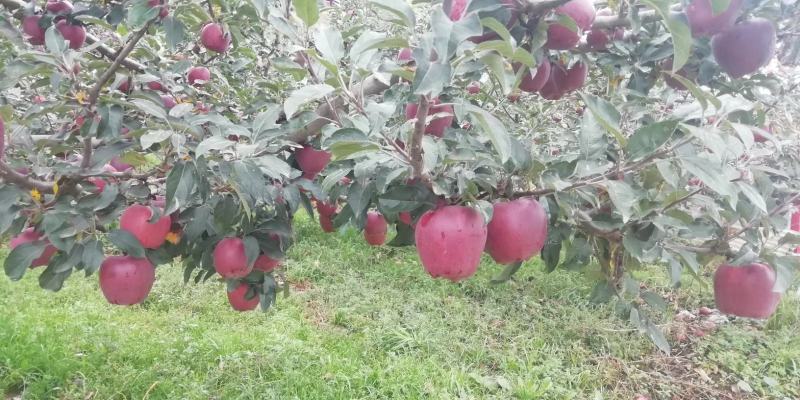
{"x": 368, "y": 323}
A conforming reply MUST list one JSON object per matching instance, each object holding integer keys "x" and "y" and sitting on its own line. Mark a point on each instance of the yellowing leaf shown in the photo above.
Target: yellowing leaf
{"x": 36, "y": 195}
{"x": 173, "y": 237}
{"x": 81, "y": 97}
{"x": 55, "y": 188}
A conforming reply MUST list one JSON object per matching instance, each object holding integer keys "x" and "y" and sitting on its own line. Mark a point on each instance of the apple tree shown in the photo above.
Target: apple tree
{"x": 617, "y": 135}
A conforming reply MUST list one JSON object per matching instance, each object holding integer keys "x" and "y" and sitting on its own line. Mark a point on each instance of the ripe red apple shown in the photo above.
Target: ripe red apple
{"x": 745, "y": 48}
{"x": 214, "y": 37}
{"x": 450, "y": 241}
{"x": 533, "y": 84}
{"x": 30, "y": 235}
{"x": 474, "y": 87}
{"x": 168, "y": 101}
{"x": 405, "y": 217}
{"x": 562, "y": 80}
{"x": 136, "y": 220}
{"x": 230, "y": 258}
{"x": 30, "y": 26}
{"x": 58, "y": 6}
{"x": 119, "y": 165}
{"x": 312, "y": 161}
{"x": 704, "y": 22}
{"x": 795, "y": 224}
{"x": 126, "y": 280}
{"x": 239, "y": 301}
{"x": 160, "y": 3}
{"x": 517, "y": 231}
{"x": 75, "y": 34}
{"x": 576, "y": 77}
{"x": 405, "y": 55}
{"x": 124, "y": 86}
{"x": 156, "y": 85}
{"x": 375, "y": 229}
{"x": 437, "y": 125}
{"x": 326, "y": 209}
{"x": 561, "y": 37}
{"x": 666, "y": 65}
{"x": 266, "y": 264}
{"x": 198, "y": 76}
{"x": 99, "y": 183}
{"x": 326, "y": 222}
{"x": 746, "y": 291}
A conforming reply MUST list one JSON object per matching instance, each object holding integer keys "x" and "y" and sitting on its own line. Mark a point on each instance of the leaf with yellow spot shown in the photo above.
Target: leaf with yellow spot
{"x": 55, "y": 188}
{"x": 81, "y": 97}
{"x": 36, "y": 195}
{"x": 173, "y": 237}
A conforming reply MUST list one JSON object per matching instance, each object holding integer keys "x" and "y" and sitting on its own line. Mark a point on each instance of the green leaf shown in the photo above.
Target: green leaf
{"x": 492, "y": 127}
{"x": 753, "y": 195}
{"x": 623, "y": 196}
{"x": 343, "y": 150}
{"x": 400, "y": 9}
{"x": 657, "y": 336}
{"x": 649, "y": 138}
{"x": 606, "y": 114}
{"x": 508, "y": 273}
{"x": 126, "y": 242}
{"x": 181, "y": 182}
{"x": 678, "y": 28}
{"x": 141, "y": 12}
{"x": 711, "y": 175}
{"x": 149, "y": 107}
{"x": 307, "y": 10}
{"x": 154, "y": 136}
{"x": 719, "y": 6}
{"x": 432, "y": 80}
{"x": 54, "y": 42}
{"x": 305, "y": 95}
{"x": 212, "y": 143}
{"x": 498, "y": 27}
{"x": 551, "y": 252}
{"x": 92, "y": 256}
{"x": 252, "y": 249}
{"x": 175, "y": 31}
{"x": 273, "y": 166}
{"x": 329, "y": 43}
{"x": 21, "y": 257}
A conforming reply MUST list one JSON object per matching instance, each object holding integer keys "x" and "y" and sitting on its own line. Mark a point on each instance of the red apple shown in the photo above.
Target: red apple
{"x": 30, "y": 26}
{"x": 214, "y": 37}
{"x": 126, "y": 280}
{"x": 99, "y": 183}
{"x": 30, "y": 235}
{"x": 405, "y": 217}
{"x": 437, "y": 125}
{"x": 561, "y": 37}
{"x": 746, "y": 291}
{"x": 450, "y": 241}
{"x": 198, "y": 76}
{"x": 75, "y": 34}
{"x": 457, "y": 9}
{"x": 136, "y": 220}
{"x": 704, "y": 22}
{"x": 375, "y": 229}
{"x": 533, "y": 83}
{"x": 58, "y": 6}
{"x": 745, "y": 48}
{"x": 517, "y": 231}
{"x": 795, "y": 224}
{"x": 160, "y": 3}
{"x": 326, "y": 209}
{"x": 312, "y": 161}
{"x": 168, "y": 101}
{"x": 239, "y": 301}
{"x": 156, "y": 85}
{"x": 124, "y": 86}
{"x": 562, "y": 80}
{"x": 266, "y": 264}
{"x": 405, "y": 56}
{"x": 474, "y": 87}
{"x": 119, "y": 165}
{"x": 326, "y": 222}
{"x": 230, "y": 258}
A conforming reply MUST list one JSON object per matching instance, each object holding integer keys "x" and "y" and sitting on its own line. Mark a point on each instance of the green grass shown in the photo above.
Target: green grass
{"x": 365, "y": 322}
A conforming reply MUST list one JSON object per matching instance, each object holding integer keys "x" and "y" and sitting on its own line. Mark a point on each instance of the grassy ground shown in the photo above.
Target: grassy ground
{"x": 368, "y": 323}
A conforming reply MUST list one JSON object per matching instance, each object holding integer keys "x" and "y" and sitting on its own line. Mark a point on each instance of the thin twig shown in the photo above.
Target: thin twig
{"x": 415, "y": 150}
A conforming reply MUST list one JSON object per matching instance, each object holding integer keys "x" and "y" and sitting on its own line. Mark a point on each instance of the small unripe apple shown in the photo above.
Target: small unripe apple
{"x": 405, "y": 55}
{"x": 124, "y": 86}
{"x": 214, "y": 37}
{"x": 75, "y": 34}
{"x": 168, "y": 101}
{"x": 239, "y": 301}
{"x": 156, "y": 85}
{"x": 198, "y": 76}
{"x": 35, "y": 33}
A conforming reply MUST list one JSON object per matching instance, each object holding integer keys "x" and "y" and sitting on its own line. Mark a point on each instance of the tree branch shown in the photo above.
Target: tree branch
{"x": 16, "y": 7}
{"x": 11, "y": 176}
{"x": 415, "y": 150}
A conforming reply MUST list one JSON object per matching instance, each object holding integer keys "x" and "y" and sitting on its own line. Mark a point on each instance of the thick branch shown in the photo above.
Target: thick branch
{"x": 16, "y": 6}
{"x": 415, "y": 150}
{"x": 112, "y": 69}
{"x": 11, "y": 176}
